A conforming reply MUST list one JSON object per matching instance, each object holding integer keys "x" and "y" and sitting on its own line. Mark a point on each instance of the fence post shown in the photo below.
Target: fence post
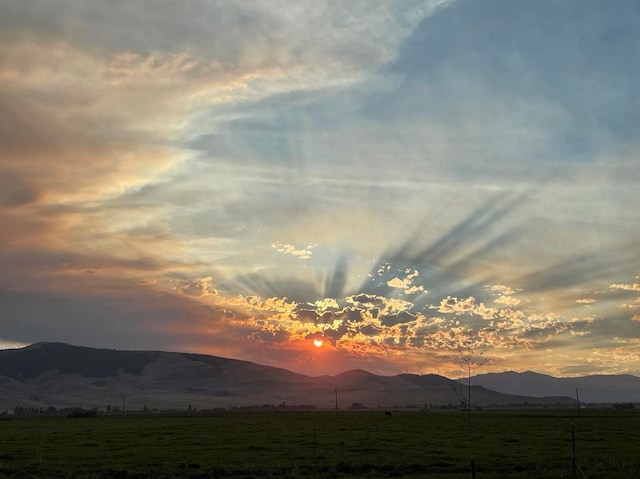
{"x": 574, "y": 465}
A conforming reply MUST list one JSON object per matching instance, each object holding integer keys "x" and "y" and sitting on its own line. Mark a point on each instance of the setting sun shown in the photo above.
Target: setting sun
{"x": 318, "y": 342}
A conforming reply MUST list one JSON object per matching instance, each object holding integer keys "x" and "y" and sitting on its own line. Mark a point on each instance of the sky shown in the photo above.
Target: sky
{"x": 405, "y": 180}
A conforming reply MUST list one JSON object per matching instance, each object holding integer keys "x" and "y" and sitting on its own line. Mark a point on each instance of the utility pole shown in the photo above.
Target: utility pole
{"x": 336, "y": 390}
{"x": 123, "y": 404}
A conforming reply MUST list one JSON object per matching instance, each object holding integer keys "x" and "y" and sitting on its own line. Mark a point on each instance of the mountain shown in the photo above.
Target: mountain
{"x": 61, "y": 375}
{"x": 591, "y": 389}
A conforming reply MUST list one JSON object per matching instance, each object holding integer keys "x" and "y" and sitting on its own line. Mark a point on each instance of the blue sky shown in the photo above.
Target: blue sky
{"x": 397, "y": 178}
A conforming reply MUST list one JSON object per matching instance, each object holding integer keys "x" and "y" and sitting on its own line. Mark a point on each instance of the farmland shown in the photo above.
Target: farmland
{"x": 532, "y": 443}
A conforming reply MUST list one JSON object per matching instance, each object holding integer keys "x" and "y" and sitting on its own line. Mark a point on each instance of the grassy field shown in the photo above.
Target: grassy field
{"x": 322, "y": 444}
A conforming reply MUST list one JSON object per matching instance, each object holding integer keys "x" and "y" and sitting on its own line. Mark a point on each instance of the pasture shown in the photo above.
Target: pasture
{"x": 521, "y": 444}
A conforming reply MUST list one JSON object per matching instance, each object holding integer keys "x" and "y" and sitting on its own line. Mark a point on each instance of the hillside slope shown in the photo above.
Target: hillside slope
{"x": 62, "y": 375}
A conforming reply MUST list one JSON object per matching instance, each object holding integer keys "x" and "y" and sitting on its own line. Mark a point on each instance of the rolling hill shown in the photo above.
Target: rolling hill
{"x": 61, "y": 375}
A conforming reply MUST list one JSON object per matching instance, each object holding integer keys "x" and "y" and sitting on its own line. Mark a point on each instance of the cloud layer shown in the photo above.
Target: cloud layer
{"x": 398, "y": 178}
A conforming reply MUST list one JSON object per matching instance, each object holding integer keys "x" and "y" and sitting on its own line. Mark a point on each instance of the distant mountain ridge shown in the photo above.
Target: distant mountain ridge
{"x": 61, "y": 375}
{"x": 590, "y": 389}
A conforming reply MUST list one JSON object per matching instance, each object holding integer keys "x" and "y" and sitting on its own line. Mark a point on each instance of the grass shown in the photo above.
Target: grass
{"x": 322, "y": 444}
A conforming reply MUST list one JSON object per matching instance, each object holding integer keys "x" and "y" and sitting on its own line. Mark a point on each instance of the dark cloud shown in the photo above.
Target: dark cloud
{"x": 368, "y": 329}
{"x": 395, "y": 319}
{"x": 336, "y": 333}
{"x": 278, "y": 336}
{"x": 369, "y": 300}
{"x": 307, "y": 315}
{"x": 346, "y": 315}
{"x": 353, "y": 315}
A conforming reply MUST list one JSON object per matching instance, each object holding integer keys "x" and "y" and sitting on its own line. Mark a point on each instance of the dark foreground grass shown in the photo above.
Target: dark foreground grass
{"x": 321, "y": 444}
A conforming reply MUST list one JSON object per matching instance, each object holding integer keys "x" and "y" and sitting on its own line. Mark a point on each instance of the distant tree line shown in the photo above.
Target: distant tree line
{"x": 624, "y": 405}
{"x": 50, "y": 411}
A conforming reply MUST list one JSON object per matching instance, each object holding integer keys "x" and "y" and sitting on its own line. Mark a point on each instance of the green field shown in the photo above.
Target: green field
{"x": 323, "y": 444}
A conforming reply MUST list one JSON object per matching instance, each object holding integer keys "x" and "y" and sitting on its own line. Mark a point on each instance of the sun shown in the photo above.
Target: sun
{"x": 318, "y": 342}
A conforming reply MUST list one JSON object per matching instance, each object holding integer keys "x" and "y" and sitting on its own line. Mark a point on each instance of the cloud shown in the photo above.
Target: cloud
{"x": 150, "y": 154}
{"x": 453, "y": 305}
{"x": 508, "y": 301}
{"x": 503, "y": 289}
{"x": 626, "y": 286}
{"x": 199, "y": 287}
{"x": 398, "y": 283}
{"x": 629, "y": 306}
{"x": 585, "y": 301}
{"x": 301, "y": 253}
{"x": 406, "y": 283}
{"x": 325, "y": 304}
{"x": 383, "y": 304}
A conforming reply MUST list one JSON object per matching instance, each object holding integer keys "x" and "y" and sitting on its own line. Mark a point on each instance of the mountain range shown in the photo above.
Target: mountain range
{"x": 589, "y": 389}
{"x": 62, "y": 375}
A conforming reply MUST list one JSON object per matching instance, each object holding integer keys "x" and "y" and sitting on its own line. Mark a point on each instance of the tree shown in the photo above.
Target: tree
{"x": 470, "y": 358}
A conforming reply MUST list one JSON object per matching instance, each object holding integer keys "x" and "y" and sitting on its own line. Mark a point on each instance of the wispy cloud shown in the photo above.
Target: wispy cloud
{"x": 301, "y": 253}
{"x": 585, "y": 301}
{"x": 237, "y": 178}
{"x": 626, "y": 286}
